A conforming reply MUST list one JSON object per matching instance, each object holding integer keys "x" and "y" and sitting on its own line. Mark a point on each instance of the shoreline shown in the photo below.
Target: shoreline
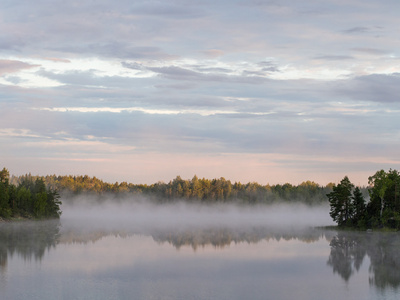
{"x": 339, "y": 228}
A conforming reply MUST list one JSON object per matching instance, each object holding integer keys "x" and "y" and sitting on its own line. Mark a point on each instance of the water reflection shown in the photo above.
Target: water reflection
{"x": 348, "y": 250}
{"x": 27, "y": 239}
{"x": 222, "y": 237}
{"x": 196, "y": 237}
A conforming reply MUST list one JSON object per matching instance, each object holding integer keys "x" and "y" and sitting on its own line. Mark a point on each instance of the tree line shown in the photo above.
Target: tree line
{"x": 350, "y": 209}
{"x": 191, "y": 190}
{"x": 29, "y": 199}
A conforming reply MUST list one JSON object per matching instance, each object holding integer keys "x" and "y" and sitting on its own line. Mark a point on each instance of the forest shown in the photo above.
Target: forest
{"x": 30, "y": 199}
{"x": 190, "y": 190}
{"x": 349, "y": 208}
{"x": 377, "y": 205}
{"x": 38, "y": 197}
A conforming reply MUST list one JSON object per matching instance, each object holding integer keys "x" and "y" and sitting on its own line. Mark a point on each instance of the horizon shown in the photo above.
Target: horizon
{"x": 252, "y": 91}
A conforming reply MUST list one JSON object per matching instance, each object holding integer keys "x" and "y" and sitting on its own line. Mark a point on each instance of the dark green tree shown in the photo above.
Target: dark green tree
{"x": 340, "y": 202}
{"x": 358, "y": 203}
{"x": 5, "y": 210}
{"x": 24, "y": 200}
{"x": 40, "y": 205}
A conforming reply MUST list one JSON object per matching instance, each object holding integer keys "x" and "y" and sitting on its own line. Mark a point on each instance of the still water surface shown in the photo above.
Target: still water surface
{"x": 56, "y": 260}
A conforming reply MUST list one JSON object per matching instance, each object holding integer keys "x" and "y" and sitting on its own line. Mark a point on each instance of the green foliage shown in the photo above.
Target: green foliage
{"x": 358, "y": 204}
{"x": 379, "y": 181}
{"x": 24, "y": 200}
{"x": 40, "y": 204}
{"x": 5, "y": 210}
{"x": 384, "y": 191}
{"x": 192, "y": 190}
{"x": 31, "y": 198}
{"x": 340, "y": 201}
{"x": 382, "y": 210}
{"x": 36, "y": 196}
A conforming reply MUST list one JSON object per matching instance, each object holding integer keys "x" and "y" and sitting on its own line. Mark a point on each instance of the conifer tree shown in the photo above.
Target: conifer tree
{"x": 340, "y": 202}
{"x": 5, "y": 210}
{"x": 358, "y": 204}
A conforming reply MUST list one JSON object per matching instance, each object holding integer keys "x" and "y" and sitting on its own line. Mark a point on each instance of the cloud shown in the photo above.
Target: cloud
{"x": 358, "y": 29}
{"x": 372, "y": 51}
{"x": 14, "y": 132}
{"x": 334, "y": 57}
{"x": 269, "y": 66}
{"x": 200, "y": 78}
{"x": 133, "y": 65}
{"x": 203, "y": 112}
{"x": 13, "y": 66}
{"x": 165, "y": 10}
{"x": 380, "y": 88}
{"x": 213, "y": 53}
{"x": 11, "y": 43}
{"x": 122, "y": 50}
{"x": 178, "y": 73}
{"x": 55, "y": 59}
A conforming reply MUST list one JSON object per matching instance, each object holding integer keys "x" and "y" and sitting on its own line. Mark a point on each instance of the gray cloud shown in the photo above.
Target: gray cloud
{"x": 334, "y": 57}
{"x": 166, "y": 10}
{"x": 358, "y": 29}
{"x": 376, "y": 88}
{"x": 372, "y": 51}
{"x": 268, "y": 66}
{"x": 213, "y": 69}
{"x": 133, "y": 65}
{"x": 117, "y": 49}
{"x": 213, "y": 53}
{"x": 11, "y": 43}
{"x": 178, "y": 73}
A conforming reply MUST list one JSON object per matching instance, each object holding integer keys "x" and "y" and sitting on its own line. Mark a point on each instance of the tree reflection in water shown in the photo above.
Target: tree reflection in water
{"x": 30, "y": 240}
{"x": 27, "y": 239}
{"x": 348, "y": 250}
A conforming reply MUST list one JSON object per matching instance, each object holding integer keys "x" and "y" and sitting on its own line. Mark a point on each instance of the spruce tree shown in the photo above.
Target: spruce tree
{"x": 340, "y": 201}
{"x": 358, "y": 204}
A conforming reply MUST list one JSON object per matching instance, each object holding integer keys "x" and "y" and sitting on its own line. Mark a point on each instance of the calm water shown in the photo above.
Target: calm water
{"x": 66, "y": 260}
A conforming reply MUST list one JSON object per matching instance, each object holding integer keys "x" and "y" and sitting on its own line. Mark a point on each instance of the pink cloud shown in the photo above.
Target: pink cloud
{"x": 12, "y": 66}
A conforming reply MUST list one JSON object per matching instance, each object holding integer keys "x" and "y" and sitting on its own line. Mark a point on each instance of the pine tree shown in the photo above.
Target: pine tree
{"x": 340, "y": 202}
{"x": 358, "y": 204}
{"x": 5, "y": 210}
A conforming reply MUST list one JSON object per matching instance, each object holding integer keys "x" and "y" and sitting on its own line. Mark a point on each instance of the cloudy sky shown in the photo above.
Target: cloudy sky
{"x": 250, "y": 90}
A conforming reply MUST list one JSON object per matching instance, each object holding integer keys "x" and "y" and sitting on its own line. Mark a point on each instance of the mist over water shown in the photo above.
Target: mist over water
{"x": 141, "y": 215}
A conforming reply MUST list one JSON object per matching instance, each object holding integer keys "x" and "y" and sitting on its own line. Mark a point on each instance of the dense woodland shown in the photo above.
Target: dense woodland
{"x": 350, "y": 209}
{"x": 193, "y": 190}
{"x": 375, "y": 206}
{"x": 39, "y": 196}
{"x": 30, "y": 199}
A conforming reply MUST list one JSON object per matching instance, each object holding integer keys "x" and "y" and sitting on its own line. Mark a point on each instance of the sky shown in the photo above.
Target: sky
{"x": 255, "y": 90}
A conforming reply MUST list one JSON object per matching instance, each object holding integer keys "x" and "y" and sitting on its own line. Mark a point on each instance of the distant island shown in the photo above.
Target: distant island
{"x": 349, "y": 208}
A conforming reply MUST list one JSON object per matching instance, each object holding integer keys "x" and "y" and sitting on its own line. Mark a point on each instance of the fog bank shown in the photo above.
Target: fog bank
{"x": 140, "y": 215}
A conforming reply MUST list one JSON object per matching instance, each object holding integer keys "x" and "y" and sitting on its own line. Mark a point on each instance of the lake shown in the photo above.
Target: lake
{"x": 176, "y": 253}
